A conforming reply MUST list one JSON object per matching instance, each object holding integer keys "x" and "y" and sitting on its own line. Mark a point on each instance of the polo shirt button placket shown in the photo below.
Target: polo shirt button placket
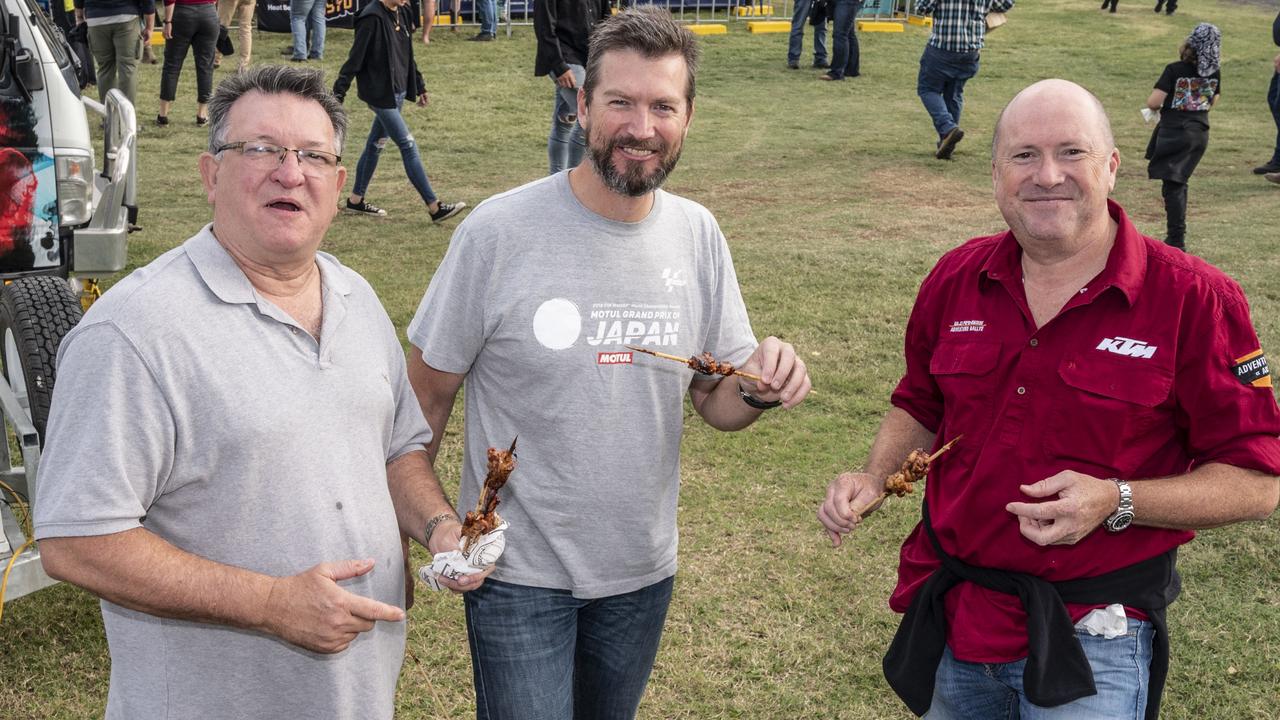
{"x": 1034, "y": 342}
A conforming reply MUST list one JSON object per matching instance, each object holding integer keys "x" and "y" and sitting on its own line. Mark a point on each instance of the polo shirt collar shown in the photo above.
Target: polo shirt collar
{"x": 228, "y": 282}
{"x": 1126, "y": 267}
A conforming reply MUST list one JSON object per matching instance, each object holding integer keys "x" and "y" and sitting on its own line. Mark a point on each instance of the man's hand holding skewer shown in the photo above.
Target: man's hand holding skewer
{"x": 850, "y": 497}
{"x": 783, "y": 375}
{"x": 445, "y": 537}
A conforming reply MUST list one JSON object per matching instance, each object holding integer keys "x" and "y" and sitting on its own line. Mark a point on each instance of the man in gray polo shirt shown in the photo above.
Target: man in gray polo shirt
{"x": 253, "y": 452}
{"x": 539, "y": 294}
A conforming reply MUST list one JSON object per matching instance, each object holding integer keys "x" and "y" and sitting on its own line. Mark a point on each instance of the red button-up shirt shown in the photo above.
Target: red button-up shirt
{"x": 1149, "y": 371}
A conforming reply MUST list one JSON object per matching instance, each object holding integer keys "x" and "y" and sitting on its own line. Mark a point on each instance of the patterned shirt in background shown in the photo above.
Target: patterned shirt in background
{"x": 960, "y": 25}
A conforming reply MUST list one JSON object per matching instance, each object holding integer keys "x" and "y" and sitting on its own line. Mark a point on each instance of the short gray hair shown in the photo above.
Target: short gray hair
{"x": 273, "y": 80}
{"x": 649, "y": 30}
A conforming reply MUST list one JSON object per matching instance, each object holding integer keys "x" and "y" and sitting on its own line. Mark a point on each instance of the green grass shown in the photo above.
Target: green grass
{"x": 834, "y": 209}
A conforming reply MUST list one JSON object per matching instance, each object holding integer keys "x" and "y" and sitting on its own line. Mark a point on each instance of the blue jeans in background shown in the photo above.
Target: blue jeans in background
{"x": 796, "y": 46}
{"x": 845, "y": 56}
{"x": 940, "y": 85}
{"x": 1273, "y": 101}
{"x": 307, "y": 15}
{"x": 567, "y": 141}
{"x": 993, "y": 691}
{"x": 487, "y": 16}
{"x": 542, "y": 654}
{"x": 388, "y": 122}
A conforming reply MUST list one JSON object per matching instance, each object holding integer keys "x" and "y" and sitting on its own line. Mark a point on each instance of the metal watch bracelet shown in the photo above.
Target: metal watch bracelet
{"x": 433, "y": 522}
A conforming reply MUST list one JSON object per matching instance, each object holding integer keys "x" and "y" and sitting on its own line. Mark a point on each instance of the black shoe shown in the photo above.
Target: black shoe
{"x": 364, "y": 207}
{"x": 202, "y": 121}
{"x": 447, "y": 210}
{"x": 1105, "y": 3}
{"x": 1159, "y": 5}
{"x": 947, "y": 145}
{"x": 1269, "y": 167}
{"x": 829, "y": 76}
{"x": 162, "y": 120}
{"x": 482, "y": 37}
{"x": 297, "y": 59}
{"x": 821, "y": 64}
{"x": 793, "y": 65}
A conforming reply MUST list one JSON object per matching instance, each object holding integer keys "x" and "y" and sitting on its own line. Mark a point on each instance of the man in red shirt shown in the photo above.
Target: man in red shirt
{"x": 1113, "y": 398}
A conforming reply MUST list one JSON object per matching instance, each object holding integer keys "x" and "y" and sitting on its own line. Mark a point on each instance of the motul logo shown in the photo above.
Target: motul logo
{"x": 613, "y": 358}
{"x": 1127, "y": 346}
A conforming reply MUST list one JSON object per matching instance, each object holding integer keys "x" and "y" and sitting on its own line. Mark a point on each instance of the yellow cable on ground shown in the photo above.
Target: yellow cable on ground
{"x": 23, "y": 513}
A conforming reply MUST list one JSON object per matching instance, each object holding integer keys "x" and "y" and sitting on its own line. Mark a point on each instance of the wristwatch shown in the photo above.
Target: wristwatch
{"x": 1123, "y": 516}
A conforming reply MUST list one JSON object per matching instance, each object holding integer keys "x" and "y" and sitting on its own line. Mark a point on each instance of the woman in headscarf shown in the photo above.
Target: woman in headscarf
{"x": 1184, "y": 94}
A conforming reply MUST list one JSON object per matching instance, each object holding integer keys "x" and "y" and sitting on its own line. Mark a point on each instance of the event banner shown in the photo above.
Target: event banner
{"x": 273, "y": 15}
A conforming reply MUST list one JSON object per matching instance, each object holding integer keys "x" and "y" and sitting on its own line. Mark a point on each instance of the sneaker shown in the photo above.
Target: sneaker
{"x": 482, "y": 37}
{"x": 297, "y": 59}
{"x": 162, "y": 120}
{"x": 1273, "y": 177}
{"x": 829, "y": 76}
{"x": 1269, "y": 167}
{"x": 287, "y": 52}
{"x": 364, "y": 207}
{"x": 793, "y": 65}
{"x": 447, "y": 210}
{"x": 947, "y": 145}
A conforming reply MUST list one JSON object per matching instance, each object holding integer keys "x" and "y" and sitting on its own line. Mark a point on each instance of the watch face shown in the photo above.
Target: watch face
{"x": 1120, "y": 521}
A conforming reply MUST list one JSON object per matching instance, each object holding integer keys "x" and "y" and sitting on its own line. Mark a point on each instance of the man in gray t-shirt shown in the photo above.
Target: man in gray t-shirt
{"x": 234, "y": 449}
{"x": 539, "y": 295}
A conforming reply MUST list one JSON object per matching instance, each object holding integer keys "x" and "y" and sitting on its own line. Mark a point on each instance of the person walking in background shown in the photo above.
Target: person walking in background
{"x": 1271, "y": 168}
{"x": 815, "y": 13}
{"x": 563, "y": 29}
{"x": 1168, "y": 6}
{"x": 306, "y": 17}
{"x": 188, "y": 25}
{"x": 950, "y": 59}
{"x": 1109, "y": 4}
{"x": 1185, "y": 92}
{"x": 242, "y": 12}
{"x": 381, "y": 62}
{"x": 117, "y": 30}
{"x": 845, "y": 57}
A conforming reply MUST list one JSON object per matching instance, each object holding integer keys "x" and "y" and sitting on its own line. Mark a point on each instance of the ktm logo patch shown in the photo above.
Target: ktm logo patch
{"x": 1252, "y": 369}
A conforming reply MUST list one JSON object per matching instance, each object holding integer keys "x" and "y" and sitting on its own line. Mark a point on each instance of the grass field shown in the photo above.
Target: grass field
{"x": 834, "y": 209}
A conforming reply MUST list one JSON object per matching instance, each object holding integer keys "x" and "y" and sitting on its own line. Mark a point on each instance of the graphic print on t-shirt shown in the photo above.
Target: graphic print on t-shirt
{"x": 1193, "y": 94}
{"x": 656, "y": 325}
{"x": 557, "y": 323}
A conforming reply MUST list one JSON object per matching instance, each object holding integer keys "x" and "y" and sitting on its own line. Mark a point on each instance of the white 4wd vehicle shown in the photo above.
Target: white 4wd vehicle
{"x": 64, "y": 219}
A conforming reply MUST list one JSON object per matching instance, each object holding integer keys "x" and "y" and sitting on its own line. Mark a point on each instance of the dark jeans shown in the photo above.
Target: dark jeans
{"x": 940, "y": 85}
{"x": 844, "y": 53}
{"x": 194, "y": 27}
{"x": 1175, "y": 210}
{"x": 796, "y": 42}
{"x": 1273, "y": 100}
{"x": 542, "y": 654}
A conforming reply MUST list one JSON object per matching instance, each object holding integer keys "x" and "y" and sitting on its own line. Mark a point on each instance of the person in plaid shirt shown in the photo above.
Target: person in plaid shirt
{"x": 950, "y": 58}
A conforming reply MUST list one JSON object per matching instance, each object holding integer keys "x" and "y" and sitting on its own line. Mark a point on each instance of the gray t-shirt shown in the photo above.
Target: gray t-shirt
{"x": 534, "y": 301}
{"x": 188, "y": 405}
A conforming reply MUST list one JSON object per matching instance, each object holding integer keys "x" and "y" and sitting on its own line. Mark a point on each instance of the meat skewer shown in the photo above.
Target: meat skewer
{"x": 913, "y": 470}
{"x": 485, "y": 519}
{"x": 704, "y": 363}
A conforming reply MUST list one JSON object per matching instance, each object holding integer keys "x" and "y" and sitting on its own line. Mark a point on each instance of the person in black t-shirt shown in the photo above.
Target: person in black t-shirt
{"x": 1184, "y": 94}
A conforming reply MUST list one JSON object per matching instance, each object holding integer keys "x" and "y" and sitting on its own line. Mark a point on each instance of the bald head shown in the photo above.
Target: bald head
{"x": 1053, "y": 93}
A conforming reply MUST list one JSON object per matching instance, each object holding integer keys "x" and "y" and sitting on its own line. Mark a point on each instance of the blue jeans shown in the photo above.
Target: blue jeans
{"x": 796, "y": 46}
{"x": 567, "y": 141}
{"x": 542, "y": 654}
{"x": 307, "y": 15}
{"x": 845, "y": 55}
{"x": 1273, "y": 101}
{"x": 487, "y": 16}
{"x": 993, "y": 691}
{"x": 940, "y": 85}
{"x": 388, "y": 122}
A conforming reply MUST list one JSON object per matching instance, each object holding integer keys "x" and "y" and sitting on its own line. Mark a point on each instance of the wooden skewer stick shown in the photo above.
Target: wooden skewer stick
{"x": 930, "y": 459}
{"x": 685, "y": 361}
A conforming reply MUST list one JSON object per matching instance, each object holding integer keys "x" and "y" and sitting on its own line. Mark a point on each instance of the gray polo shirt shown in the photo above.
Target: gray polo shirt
{"x": 188, "y": 405}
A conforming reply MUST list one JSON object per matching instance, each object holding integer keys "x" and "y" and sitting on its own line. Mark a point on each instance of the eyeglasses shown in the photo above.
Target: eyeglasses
{"x": 268, "y": 155}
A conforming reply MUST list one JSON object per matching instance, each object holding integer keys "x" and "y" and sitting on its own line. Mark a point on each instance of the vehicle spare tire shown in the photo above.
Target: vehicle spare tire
{"x": 35, "y": 314}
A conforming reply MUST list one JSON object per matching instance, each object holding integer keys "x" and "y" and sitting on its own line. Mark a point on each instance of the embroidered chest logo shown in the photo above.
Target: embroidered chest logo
{"x": 1252, "y": 369}
{"x": 673, "y": 279}
{"x": 968, "y": 326}
{"x": 1127, "y": 346}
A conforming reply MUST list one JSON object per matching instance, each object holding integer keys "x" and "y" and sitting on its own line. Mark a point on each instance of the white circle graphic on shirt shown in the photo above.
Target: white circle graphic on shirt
{"x": 557, "y": 324}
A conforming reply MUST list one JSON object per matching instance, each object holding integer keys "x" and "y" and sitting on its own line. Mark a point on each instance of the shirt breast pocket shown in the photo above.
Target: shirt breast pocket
{"x": 964, "y": 373}
{"x": 1110, "y": 409}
